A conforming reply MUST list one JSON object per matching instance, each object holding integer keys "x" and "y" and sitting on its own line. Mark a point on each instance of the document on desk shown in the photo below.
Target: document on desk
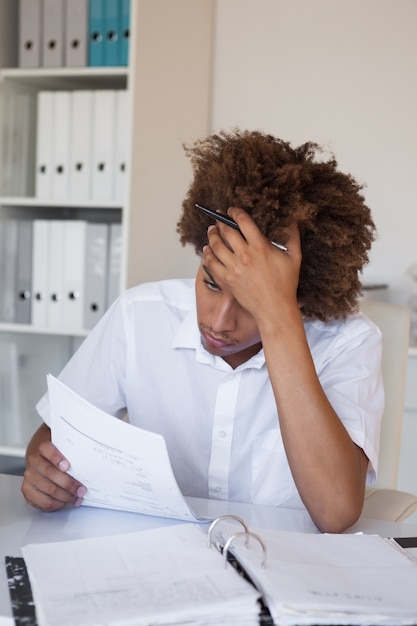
{"x": 162, "y": 576}
{"x": 122, "y": 466}
{"x": 169, "y": 576}
{"x": 333, "y": 579}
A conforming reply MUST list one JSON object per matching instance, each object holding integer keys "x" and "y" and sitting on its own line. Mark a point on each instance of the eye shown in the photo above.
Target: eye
{"x": 211, "y": 284}
{"x": 209, "y": 280}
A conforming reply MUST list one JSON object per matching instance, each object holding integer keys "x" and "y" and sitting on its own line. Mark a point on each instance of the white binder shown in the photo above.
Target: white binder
{"x": 55, "y": 296}
{"x": 40, "y": 259}
{"x": 23, "y": 293}
{"x": 19, "y": 122}
{"x": 95, "y": 273}
{"x": 74, "y": 234}
{"x": 114, "y": 263}
{"x": 80, "y": 145}
{"x": 61, "y": 144}
{"x": 76, "y": 27}
{"x": 44, "y": 122}
{"x": 53, "y": 33}
{"x": 13, "y": 144}
{"x": 121, "y": 145}
{"x": 25, "y": 140}
{"x": 104, "y": 109}
{"x": 29, "y": 35}
{"x": 8, "y": 268}
{"x": 7, "y": 119}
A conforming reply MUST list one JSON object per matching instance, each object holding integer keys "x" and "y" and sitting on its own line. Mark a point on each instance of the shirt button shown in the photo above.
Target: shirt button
{"x": 222, "y": 434}
{"x": 218, "y": 489}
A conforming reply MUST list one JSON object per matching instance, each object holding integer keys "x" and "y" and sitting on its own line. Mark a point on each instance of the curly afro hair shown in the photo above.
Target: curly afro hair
{"x": 279, "y": 185}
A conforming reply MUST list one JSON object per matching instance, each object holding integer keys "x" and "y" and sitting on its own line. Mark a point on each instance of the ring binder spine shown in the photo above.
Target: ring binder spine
{"x": 223, "y": 518}
{"x": 245, "y": 534}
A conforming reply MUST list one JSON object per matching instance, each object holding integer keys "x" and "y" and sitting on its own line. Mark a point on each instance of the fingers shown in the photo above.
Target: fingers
{"x": 253, "y": 235}
{"x": 254, "y": 270}
{"x": 223, "y": 239}
{"x": 46, "y": 485}
{"x": 220, "y": 244}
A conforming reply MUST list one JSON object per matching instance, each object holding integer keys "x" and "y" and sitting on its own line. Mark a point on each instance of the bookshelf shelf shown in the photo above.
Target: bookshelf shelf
{"x": 11, "y": 451}
{"x": 29, "y": 329}
{"x": 24, "y": 201}
{"x": 67, "y": 77}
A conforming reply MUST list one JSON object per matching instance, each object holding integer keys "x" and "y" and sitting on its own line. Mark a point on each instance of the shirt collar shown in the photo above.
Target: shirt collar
{"x": 188, "y": 337}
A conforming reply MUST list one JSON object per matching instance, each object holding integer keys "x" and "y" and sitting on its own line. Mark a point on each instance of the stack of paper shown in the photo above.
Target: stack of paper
{"x": 170, "y": 576}
{"x": 159, "y": 577}
{"x": 333, "y": 579}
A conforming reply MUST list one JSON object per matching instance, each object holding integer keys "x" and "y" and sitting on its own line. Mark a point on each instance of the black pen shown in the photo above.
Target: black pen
{"x": 221, "y": 217}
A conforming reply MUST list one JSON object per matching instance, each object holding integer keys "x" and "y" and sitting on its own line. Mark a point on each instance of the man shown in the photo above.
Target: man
{"x": 260, "y": 374}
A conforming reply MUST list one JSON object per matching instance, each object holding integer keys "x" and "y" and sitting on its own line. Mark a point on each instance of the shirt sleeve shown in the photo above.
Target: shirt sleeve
{"x": 350, "y": 374}
{"x": 97, "y": 371}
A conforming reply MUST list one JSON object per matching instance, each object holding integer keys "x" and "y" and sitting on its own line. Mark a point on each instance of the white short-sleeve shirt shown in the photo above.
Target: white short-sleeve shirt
{"x": 220, "y": 424}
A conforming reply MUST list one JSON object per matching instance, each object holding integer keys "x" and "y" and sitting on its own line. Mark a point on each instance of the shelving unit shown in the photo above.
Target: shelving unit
{"x": 28, "y": 352}
{"x": 168, "y": 85}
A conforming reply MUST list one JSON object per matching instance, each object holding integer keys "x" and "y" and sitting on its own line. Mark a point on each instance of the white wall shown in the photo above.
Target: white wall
{"x": 342, "y": 73}
{"x": 171, "y": 51}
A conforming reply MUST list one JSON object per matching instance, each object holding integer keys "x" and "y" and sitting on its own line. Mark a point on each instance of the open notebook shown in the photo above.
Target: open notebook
{"x": 330, "y": 578}
{"x": 179, "y": 575}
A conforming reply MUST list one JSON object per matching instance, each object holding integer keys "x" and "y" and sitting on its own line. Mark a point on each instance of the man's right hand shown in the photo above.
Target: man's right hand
{"x": 46, "y": 485}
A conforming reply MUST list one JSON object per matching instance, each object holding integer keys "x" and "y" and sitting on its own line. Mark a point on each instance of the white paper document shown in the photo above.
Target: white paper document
{"x": 333, "y": 579}
{"x": 162, "y": 576}
{"x": 123, "y": 467}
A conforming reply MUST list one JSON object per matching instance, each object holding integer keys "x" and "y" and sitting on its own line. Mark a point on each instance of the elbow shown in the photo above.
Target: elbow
{"x": 337, "y": 518}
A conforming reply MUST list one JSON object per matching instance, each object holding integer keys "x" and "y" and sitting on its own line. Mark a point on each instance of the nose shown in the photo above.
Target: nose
{"x": 224, "y": 315}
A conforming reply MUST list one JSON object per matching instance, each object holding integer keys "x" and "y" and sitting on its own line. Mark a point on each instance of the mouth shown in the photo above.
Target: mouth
{"x": 215, "y": 342}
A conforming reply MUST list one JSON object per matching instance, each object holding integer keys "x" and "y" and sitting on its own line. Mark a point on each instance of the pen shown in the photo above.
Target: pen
{"x": 231, "y": 222}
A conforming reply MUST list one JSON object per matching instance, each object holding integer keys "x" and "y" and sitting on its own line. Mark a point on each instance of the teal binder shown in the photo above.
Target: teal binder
{"x": 96, "y": 33}
{"x": 111, "y": 33}
{"x": 124, "y": 38}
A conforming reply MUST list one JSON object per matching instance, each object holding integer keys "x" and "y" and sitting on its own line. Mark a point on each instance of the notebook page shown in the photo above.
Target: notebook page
{"x": 338, "y": 579}
{"x": 158, "y": 576}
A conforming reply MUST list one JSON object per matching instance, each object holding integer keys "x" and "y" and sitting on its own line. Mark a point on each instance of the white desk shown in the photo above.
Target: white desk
{"x": 21, "y": 524}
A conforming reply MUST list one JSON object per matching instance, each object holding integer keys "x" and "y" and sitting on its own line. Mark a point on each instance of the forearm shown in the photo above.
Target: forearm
{"x": 328, "y": 468}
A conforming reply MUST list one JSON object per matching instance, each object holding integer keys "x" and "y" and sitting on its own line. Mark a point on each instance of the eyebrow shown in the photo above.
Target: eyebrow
{"x": 209, "y": 275}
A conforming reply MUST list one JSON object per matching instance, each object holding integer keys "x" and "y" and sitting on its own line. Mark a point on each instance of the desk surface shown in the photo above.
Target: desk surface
{"x": 21, "y": 524}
